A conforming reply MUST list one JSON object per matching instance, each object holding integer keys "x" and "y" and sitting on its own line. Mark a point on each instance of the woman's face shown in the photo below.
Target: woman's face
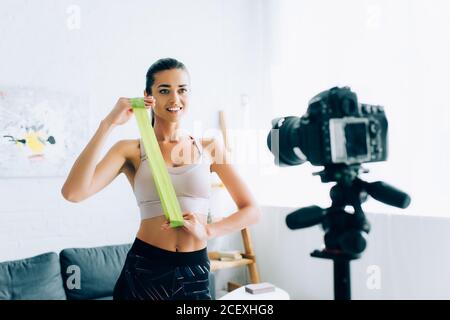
{"x": 171, "y": 91}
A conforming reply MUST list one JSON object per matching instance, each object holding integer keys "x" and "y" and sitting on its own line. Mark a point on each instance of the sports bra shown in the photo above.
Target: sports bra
{"x": 192, "y": 184}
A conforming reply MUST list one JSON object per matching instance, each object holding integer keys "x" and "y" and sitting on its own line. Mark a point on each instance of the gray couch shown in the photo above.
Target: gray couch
{"x": 74, "y": 274}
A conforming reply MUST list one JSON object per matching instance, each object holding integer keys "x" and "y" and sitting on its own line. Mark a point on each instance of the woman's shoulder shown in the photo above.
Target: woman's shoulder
{"x": 214, "y": 147}
{"x": 208, "y": 143}
{"x": 127, "y": 148}
{"x": 128, "y": 144}
{"x": 129, "y": 151}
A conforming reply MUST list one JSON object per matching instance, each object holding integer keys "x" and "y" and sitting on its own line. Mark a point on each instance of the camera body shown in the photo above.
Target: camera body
{"x": 335, "y": 130}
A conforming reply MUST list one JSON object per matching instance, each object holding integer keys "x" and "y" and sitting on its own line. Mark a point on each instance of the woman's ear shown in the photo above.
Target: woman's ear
{"x": 145, "y": 93}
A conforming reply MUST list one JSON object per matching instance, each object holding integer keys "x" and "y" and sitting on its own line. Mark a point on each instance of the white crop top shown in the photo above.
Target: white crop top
{"x": 192, "y": 184}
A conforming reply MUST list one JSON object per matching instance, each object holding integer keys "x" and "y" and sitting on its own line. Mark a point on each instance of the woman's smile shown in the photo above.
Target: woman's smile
{"x": 174, "y": 109}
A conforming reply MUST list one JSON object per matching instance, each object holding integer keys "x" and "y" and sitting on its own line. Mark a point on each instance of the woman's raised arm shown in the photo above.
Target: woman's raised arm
{"x": 86, "y": 176}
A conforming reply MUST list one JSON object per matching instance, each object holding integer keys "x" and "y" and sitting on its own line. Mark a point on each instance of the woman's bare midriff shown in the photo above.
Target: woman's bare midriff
{"x": 174, "y": 239}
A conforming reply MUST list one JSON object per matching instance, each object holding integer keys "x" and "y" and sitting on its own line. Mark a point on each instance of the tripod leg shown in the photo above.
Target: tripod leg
{"x": 342, "y": 290}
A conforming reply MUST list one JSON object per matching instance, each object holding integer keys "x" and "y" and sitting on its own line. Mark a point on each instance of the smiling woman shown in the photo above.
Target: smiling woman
{"x": 164, "y": 263}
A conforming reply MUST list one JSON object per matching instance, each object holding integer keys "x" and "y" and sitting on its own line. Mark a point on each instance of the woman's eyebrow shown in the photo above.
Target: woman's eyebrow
{"x": 164, "y": 85}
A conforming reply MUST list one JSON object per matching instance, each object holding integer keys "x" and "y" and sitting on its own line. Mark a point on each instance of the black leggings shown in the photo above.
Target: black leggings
{"x": 152, "y": 273}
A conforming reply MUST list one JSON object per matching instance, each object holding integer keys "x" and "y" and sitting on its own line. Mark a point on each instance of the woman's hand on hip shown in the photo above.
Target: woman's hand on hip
{"x": 123, "y": 111}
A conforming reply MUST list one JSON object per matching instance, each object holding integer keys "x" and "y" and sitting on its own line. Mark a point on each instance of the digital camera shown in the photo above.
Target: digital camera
{"x": 336, "y": 129}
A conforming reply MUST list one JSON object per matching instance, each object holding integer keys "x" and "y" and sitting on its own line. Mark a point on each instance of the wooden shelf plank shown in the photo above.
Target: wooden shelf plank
{"x": 217, "y": 265}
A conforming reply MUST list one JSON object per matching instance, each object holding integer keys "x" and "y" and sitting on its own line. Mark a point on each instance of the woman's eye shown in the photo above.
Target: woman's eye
{"x": 183, "y": 90}
{"x": 164, "y": 91}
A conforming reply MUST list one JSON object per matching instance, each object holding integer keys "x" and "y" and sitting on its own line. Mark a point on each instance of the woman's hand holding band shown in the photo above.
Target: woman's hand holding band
{"x": 191, "y": 224}
{"x": 122, "y": 111}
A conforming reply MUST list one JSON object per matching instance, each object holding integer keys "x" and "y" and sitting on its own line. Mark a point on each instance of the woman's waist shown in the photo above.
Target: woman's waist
{"x": 165, "y": 251}
{"x": 173, "y": 239}
{"x": 153, "y": 208}
{"x": 156, "y": 221}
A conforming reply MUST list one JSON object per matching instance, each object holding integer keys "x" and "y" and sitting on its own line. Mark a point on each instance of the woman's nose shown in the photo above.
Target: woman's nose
{"x": 175, "y": 98}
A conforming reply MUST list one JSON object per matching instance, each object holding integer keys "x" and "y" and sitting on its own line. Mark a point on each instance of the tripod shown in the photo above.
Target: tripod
{"x": 345, "y": 232}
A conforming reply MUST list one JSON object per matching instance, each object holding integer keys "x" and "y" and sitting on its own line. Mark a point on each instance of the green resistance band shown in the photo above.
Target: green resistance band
{"x": 166, "y": 192}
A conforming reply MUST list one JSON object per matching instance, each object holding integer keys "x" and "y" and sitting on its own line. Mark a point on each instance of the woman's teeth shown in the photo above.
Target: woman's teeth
{"x": 175, "y": 109}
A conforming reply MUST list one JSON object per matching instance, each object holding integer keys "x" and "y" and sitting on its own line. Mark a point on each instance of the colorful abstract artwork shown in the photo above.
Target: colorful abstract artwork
{"x": 41, "y": 131}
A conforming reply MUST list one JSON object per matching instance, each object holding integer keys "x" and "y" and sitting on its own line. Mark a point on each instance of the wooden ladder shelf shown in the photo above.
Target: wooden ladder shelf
{"x": 248, "y": 256}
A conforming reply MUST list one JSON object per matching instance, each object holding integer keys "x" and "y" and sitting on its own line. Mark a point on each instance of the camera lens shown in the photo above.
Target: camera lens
{"x": 283, "y": 141}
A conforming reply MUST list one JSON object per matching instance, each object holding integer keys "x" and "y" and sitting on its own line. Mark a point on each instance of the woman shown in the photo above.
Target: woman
{"x": 163, "y": 262}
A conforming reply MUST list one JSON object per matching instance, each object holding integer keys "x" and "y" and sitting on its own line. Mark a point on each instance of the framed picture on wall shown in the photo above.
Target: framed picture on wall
{"x": 41, "y": 131}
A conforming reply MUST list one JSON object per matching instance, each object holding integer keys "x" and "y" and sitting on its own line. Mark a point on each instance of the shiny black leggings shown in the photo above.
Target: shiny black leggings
{"x": 152, "y": 273}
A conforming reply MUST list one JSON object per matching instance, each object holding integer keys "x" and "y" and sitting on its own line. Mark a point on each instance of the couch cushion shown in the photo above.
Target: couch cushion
{"x": 35, "y": 278}
{"x": 91, "y": 273}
